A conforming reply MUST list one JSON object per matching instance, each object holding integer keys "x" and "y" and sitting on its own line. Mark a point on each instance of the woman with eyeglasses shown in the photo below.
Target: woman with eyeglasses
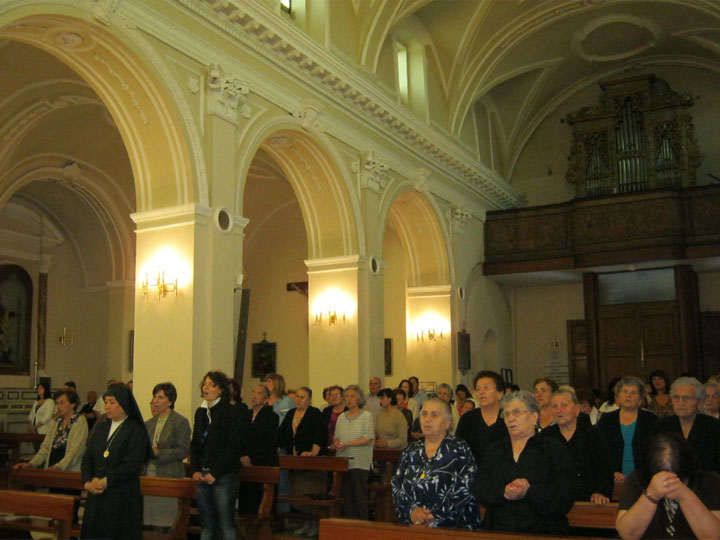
{"x": 701, "y": 431}
{"x": 627, "y": 429}
{"x": 434, "y": 484}
{"x": 528, "y": 482}
{"x": 711, "y": 406}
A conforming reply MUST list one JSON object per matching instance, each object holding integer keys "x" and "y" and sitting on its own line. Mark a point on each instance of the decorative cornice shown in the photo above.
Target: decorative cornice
{"x": 430, "y": 291}
{"x": 296, "y": 54}
{"x": 335, "y": 264}
{"x": 172, "y": 216}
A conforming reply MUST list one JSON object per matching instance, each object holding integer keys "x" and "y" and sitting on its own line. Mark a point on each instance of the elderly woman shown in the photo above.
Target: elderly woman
{"x": 41, "y": 412}
{"x": 354, "y": 437}
{"x": 543, "y": 390}
{"x": 668, "y": 496}
{"x": 391, "y": 429}
{"x": 434, "y": 483}
{"x": 261, "y": 448}
{"x": 215, "y": 449}
{"x": 527, "y": 482}
{"x": 711, "y": 407}
{"x": 658, "y": 399}
{"x": 280, "y": 402}
{"x": 117, "y": 449}
{"x": 586, "y": 446}
{"x": 169, "y": 432}
{"x": 445, "y": 392}
{"x": 626, "y": 429}
{"x": 302, "y": 433}
{"x": 701, "y": 431}
{"x": 64, "y": 444}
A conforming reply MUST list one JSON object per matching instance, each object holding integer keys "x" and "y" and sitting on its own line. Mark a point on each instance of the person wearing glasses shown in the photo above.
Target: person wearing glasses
{"x": 700, "y": 430}
{"x": 627, "y": 429}
{"x": 711, "y": 407}
{"x": 526, "y": 482}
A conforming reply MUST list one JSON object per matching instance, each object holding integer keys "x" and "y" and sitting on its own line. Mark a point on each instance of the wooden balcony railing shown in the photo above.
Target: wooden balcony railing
{"x": 662, "y": 224}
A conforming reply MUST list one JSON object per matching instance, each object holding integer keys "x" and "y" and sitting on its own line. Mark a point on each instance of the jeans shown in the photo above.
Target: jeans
{"x": 216, "y": 504}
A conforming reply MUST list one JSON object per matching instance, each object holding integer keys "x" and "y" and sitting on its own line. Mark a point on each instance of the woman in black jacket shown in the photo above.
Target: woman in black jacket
{"x": 217, "y": 443}
{"x": 630, "y": 423}
{"x": 261, "y": 447}
{"x": 302, "y": 433}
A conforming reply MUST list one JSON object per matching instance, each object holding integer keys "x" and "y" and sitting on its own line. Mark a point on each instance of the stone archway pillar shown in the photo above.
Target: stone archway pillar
{"x": 430, "y": 309}
{"x": 180, "y": 337}
{"x": 344, "y": 352}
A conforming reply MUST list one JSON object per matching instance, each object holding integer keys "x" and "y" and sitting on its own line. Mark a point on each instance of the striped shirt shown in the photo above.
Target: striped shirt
{"x": 350, "y": 429}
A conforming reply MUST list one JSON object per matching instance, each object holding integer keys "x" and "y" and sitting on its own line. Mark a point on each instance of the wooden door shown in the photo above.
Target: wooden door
{"x": 635, "y": 339}
{"x": 710, "y": 343}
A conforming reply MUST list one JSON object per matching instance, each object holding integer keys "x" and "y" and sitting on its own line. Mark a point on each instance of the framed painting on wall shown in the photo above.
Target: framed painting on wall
{"x": 264, "y": 358}
{"x": 388, "y": 356}
{"x": 16, "y": 295}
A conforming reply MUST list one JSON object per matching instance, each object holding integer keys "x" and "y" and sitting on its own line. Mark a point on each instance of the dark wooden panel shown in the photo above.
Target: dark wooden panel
{"x": 660, "y": 224}
{"x": 710, "y": 335}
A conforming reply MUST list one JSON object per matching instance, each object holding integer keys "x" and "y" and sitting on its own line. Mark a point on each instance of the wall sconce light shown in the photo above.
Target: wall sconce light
{"x": 159, "y": 285}
{"x": 66, "y": 339}
{"x": 331, "y": 315}
{"x": 429, "y": 335}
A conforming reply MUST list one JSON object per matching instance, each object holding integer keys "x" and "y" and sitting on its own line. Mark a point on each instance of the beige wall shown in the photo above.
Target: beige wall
{"x": 539, "y": 313}
{"x": 274, "y": 258}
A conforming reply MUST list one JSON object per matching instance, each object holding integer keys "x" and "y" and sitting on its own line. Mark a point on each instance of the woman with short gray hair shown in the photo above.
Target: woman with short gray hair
{"x": 434, "y": 483}
{"x": 627, "y": 429}
{"x": 700, "y": 430}
{"x": 445, "y": 392}
{"x": 354, "y": 438}
{"x": 528, "y": 481}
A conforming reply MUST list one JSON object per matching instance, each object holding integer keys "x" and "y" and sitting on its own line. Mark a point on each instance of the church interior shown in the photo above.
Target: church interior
{"x": 340, "y": 189}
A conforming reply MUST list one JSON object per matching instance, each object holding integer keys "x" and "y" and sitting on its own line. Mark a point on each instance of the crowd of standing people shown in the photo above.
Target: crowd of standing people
{"x": 523, "y": 457}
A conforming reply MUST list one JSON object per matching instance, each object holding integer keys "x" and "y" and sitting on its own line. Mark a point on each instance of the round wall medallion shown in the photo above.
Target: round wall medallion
{"x": 223, "y": 220}
{"x": 374, "y": 265}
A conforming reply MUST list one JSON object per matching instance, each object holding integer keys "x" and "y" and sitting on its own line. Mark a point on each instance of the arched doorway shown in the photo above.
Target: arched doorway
{"x": 301, "y": 244}
{"x": 418, "y": 303}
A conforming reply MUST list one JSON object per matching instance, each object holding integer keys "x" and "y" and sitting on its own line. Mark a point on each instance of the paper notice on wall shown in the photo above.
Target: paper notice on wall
{"x": 556, "y": 367}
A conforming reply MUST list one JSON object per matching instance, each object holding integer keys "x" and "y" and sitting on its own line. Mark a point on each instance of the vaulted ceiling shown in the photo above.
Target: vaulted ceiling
{"x": 525, "y": 58}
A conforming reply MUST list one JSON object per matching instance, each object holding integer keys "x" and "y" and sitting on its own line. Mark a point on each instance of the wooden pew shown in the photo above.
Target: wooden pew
{"x": 260, "y": 525}
{"x": 351, "y": 529}
{"x": 593, "y": 516}
{"x": 56, "y": 510}
{"x": 589, "y": 515}
{"x": 330, "y": 507}
{"x": 384, "y": 510}
{"x": 10, "y": 444}
{"x": 181, "y": 488}
{"x": 13, "y": 441}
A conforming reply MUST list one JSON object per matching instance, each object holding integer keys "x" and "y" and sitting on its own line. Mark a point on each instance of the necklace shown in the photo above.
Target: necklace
{"x": 427, "y": 461}
{"x": 106, "y": 453}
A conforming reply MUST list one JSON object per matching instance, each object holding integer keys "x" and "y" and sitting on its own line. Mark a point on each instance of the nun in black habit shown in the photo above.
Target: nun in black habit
{"x": 111, "y": 467}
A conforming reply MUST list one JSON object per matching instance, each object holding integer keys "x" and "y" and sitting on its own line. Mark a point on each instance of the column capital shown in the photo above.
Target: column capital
{"x": 172, "y": 216}
{"x": 335, "y": 264}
